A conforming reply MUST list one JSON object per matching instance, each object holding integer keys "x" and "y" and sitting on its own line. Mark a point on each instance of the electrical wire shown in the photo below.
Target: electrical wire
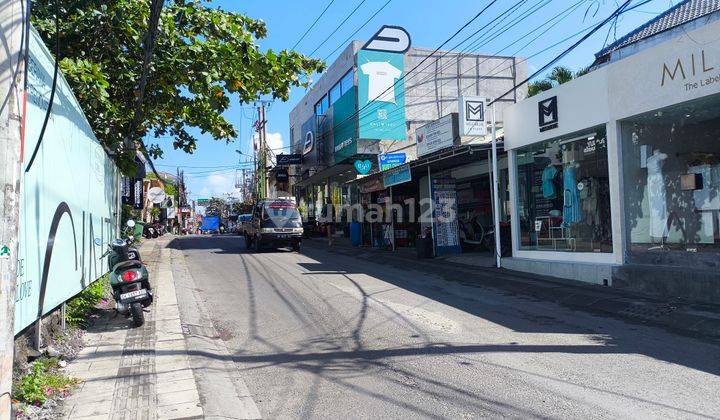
{"x": 616, "y": 13}
{"x": 338, "y": 27}
{"x": 342, "y": 44}
{"x": 48, "y": 111}
{"x": 313, "y": 24}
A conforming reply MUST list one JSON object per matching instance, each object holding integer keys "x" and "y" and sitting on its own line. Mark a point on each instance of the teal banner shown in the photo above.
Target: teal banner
{"x": 70, "y": 196}
{"x": 399, "y": 175}
{"x": 344, "y": 127}
{"x": 381, "y": 95}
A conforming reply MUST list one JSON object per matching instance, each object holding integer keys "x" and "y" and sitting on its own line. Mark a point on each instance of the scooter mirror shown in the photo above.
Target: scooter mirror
{"x": 98, "y": 241}
{"x": 130, "y": 223}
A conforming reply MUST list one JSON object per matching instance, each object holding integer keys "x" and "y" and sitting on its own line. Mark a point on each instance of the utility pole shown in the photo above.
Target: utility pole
{"x": 12, "y": 71}
{"x": 262, "y": 193}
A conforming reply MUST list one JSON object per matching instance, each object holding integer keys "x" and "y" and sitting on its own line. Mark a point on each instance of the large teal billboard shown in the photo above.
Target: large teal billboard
{"x": 381, "y": 95}
{"x": 344, "y": 127}
{"x": 69, "y": 197}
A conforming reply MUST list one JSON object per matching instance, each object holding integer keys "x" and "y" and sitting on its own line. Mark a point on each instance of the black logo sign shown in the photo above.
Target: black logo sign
{"x": 281, "y": 175}
{"x": 293, "y": 159}
{"x": 548, "y": 114}
{"x": 392, "y": 39}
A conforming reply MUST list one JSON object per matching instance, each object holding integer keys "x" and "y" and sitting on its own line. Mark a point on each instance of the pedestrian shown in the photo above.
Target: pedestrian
{"x": 329, "y": 220}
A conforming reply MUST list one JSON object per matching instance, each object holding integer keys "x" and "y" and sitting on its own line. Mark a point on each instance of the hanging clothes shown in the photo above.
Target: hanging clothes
{"x": 571, "y": 200}
{"x": 548, "y": 187}
{"x": 657, "y": 195}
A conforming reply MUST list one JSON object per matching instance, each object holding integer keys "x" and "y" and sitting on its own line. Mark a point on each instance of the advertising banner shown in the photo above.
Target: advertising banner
{"x": 344, "y": 127}
{"x": 437, "y": 135}
{"x": 69, "y": 198}
{"x": 445, "y": 221}
{"x": 391, "y": 160}
{"x": 381, "y": 95}
{"x": 289, "y": 159}
{"x": 397, "y": 176}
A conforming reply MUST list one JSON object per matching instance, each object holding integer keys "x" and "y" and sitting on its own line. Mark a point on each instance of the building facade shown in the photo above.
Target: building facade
{"x": 365, "y": 104}
{"x": 615, "y": 176}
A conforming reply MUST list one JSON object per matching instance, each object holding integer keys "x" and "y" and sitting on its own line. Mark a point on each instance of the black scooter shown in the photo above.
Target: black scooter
{"x": 128, "y": 277}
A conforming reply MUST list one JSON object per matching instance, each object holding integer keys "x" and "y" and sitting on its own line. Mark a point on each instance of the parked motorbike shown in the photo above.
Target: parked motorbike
{"x": 128, "y": 277}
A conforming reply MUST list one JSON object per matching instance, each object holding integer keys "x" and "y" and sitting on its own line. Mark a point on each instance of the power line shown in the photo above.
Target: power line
{"x": 338, "y": 27}
{"x": 358, "y": 29}
{"x": 615, "y": 14}
{"x": 313, "y": 24}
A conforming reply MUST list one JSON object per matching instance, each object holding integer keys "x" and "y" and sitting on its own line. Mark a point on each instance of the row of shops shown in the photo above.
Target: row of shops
{"x": 612, "y": 178}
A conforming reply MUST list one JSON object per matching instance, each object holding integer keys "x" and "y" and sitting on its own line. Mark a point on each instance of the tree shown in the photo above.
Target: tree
{"x": 539, "y": 86}
{"x": 216, "y": 206}
{"x": 557, "y": 76}
{"x": 203, "y": 58}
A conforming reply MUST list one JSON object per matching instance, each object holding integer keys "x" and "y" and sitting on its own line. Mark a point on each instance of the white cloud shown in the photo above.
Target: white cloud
{"x": 276, "y": 143}
{"x": 213, "y": 185}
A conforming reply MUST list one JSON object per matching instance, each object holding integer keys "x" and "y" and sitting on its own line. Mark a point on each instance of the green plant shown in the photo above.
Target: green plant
{"x": 43, "y": 381}
{"x": 155, "y": 212}
{"x": 204, "y": 59}
{"x": 81, "y": 305}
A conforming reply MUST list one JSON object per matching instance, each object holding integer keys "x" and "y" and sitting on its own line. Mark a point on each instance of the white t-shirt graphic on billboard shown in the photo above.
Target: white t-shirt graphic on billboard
{"x": 381, "y": 77}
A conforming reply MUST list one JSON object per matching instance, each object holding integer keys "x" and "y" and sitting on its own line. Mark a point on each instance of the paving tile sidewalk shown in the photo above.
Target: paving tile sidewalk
{"x": 678, "y": 316}
{"x": 137, "y": 373}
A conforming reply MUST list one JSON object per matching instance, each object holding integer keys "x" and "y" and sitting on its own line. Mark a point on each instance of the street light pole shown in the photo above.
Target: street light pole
{"x": 12, "y": 71}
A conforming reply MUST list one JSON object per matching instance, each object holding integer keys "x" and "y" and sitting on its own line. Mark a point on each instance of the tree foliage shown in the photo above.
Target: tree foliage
{"x": 216, "y": 206}
{"x": 558, "y": 75}
{"x": 204, "y": 58}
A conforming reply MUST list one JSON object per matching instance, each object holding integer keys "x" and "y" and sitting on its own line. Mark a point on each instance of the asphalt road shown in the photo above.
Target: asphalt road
{"x": 321, "y": 335}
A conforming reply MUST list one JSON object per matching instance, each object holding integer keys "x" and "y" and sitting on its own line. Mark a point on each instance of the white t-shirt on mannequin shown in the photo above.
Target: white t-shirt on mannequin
{"x": 382, "y": 76}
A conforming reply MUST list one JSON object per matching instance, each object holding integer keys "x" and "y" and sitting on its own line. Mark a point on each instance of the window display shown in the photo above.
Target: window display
{"x": 672, "y": 157}
{"x": 564, "y": 194}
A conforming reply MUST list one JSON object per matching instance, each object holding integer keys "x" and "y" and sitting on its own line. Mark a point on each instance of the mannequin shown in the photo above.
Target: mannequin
{"x": 656, "y": 194}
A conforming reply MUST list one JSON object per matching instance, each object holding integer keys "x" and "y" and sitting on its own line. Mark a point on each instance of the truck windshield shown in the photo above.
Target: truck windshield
{"x": 282, "y": 210}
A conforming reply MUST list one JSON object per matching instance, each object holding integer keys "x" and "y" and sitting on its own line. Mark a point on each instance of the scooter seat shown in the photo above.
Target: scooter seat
{"x": 127, "y": 264}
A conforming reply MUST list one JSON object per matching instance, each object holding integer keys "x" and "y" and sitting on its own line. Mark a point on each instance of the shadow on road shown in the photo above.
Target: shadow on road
{"x": 339, "y": 358}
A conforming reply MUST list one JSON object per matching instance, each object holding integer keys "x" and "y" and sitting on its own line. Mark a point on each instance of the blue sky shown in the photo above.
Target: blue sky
{"x": 209, "y": 170}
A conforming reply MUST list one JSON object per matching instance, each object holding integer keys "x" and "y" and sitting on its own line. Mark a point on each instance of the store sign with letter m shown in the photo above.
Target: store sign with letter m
{"x": 548, "y": 114}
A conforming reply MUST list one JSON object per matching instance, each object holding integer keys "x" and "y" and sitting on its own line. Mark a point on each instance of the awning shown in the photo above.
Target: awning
{"x": 441, "y": 160}
{"x": 337, "y": 173}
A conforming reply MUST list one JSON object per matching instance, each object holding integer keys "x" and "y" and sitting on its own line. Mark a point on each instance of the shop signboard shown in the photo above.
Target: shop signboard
{"x": 445, "y": 221}
{"x": 437, "y": 135}
{"x": 371, "y": 186}
{"x": 381, "y": 95}
{"x": 391, "y": 160}
{"x": 281, "y": 175}
{"x": 399, "y": 175}
{"x": 472, "y": 116}
{"x": 344, "y": 127}
{"x": 289, "y": 159}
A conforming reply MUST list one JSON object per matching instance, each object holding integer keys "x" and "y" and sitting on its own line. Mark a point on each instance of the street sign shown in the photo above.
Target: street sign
{"x": 289, "y": 159}
{"x": 202, "y": 201}
{"x": 472, "y": 116}
{"x": 390, "y": 160}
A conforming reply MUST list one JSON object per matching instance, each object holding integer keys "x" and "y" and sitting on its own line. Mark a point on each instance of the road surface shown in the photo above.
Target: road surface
{"x": 321, "y": 335}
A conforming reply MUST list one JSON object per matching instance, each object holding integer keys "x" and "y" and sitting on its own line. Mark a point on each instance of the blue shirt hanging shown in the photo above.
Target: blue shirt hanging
{"x": 571, "y": 199}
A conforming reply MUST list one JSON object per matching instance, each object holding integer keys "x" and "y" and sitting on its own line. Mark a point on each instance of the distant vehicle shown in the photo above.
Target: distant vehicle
{"x": 275, "y": 223}
{"x": 243, "y": 221}
{"x": 210, "y": 224}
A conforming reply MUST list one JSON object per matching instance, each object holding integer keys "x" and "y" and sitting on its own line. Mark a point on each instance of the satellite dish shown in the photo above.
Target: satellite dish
{"x": 156, "y": 195}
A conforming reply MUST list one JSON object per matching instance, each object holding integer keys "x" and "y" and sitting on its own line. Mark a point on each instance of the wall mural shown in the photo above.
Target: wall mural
{"x": 70, "y": 197}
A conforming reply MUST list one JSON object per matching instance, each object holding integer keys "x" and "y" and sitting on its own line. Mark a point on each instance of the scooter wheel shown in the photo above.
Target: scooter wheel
{"x": 136, "y": 310}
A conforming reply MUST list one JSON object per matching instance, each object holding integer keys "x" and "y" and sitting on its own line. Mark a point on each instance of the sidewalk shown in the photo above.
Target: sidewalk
{"x": 137, "y": 373}
{"x": 682, "y": 317}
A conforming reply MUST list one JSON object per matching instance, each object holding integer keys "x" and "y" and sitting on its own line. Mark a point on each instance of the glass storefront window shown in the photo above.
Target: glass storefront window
{"x": 564, "y": 194}
{"x": 672, "y": 159}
